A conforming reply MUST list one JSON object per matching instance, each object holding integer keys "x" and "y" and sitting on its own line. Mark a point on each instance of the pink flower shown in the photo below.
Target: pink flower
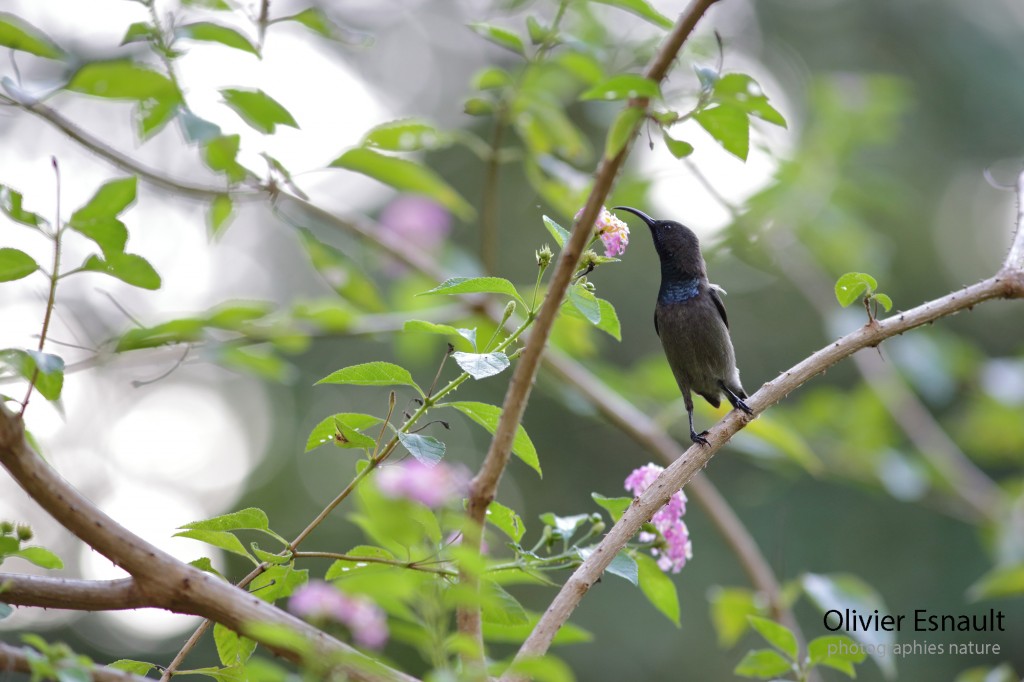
{"x": 614, "y": 233}
{"x": 416, "y": 220}
{"x": 668, "y": 520}
{"x": 433, "y": 485}
{"x": 321, "y": 601}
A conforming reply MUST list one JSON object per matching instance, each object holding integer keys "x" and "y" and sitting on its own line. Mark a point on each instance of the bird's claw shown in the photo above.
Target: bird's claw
{"x": 740, "y": 405}
{"x": 699, "y": 437}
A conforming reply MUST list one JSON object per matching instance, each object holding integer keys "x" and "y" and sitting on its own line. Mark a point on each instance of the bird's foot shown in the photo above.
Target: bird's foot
{"x": 740, "y": 405}
{"x": 699, "y": 437}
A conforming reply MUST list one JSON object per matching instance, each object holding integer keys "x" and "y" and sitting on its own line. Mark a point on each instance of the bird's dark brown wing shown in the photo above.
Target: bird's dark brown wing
{"x": 656, "y": 331}
{"x": 713, "y": 293}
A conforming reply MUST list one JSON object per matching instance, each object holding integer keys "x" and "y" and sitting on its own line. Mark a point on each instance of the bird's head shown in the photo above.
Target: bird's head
{"x": 676, "y": 244}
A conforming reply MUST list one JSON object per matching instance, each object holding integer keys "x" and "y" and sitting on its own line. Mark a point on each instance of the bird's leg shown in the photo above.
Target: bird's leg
{"x": 737, "y": 402}
{"x": 694, "y": 436}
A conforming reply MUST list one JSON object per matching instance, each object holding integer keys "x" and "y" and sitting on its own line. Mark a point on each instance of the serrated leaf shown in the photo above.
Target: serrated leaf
{"x": 40, "y": 556}
{"x": 658, "y": 587}
{"x": 46, "y": 369}
{"x": 11, "y": 205}
{"x": 326, "y": 431}
{"x": 642, "y": 9}
{"x": 743, "y": 92}
{"x": 15, "y": 264}
{"x": 127, "y": 267}
{"x": 109, "y": 201}
{"x": 481, "y": 365}
{"x": 475, "y": 285}
{"x": 372, "y": 374}
{"x": 467, "y": 335}
{"x": 557, "y": 232}
{"x": 609, "y": 321}
{"x": 586, "y": 303}
{"x": 852, "y": 286}
{"x": 426, "y": 449}
{"x": 621, "y": 130}
{"x": 501, "y": 37}
{"x": 122, "y": 79}
{"x": 217, "y": 538}
{"x": 232, "y": 648}
{"x": 763, "y": 664}
{"x": 206, "y": 31}
{"x": 506, "y": 520}
{"x": 406, "y": 135}
{"x": 500, "y": 607}
{"x": 258, "y": 109}
{"x": 405, "y": 176}
{"x": 624, "y": 86}
{"x": 251, "y": 518}
{"x": 729, "y": 126}
{"x": 221, "y": 154}
{"x": 487, "y": 416}
{"x": 615, "y": 506}
{"x": 18, "y": 34}
{"x": 775, "y": 634}
{"x": 127, "y": 665}
{"x": 678, "y": 148}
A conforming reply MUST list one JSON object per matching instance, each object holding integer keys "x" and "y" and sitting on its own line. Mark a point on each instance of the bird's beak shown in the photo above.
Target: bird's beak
{"x": 640, "y": 214}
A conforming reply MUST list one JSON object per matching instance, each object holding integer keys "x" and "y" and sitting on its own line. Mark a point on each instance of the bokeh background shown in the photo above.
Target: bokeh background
{"x": 904, "y": 120}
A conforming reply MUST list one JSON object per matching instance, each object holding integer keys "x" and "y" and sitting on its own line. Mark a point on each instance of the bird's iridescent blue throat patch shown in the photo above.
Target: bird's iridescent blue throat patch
{"x": 679, "y": 290}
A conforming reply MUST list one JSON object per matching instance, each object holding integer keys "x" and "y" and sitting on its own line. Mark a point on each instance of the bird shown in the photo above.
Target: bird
{"x": 690, "y": 319}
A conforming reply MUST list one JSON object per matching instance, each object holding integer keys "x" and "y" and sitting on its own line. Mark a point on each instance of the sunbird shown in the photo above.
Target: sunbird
{"x": 690, "y": 319}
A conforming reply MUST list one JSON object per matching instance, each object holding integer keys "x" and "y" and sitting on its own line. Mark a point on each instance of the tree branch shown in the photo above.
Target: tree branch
{"x": 16, "y": 659}
{"x": 167, "y": 582}
{"x": 66, "y": 593}
{"x": 485, "y": 484}
{"x": 1007, "y": 284}
{"x": 1015, "y": 257}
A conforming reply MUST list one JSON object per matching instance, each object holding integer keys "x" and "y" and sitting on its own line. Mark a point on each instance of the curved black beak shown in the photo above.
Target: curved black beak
{"x": 640, "y": 214}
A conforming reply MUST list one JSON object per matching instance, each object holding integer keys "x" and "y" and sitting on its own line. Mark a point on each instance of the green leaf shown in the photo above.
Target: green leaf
{"x": 348, "y": 438}
{"x": 853, "y": 286}
{"x": 127, "y": 665}
{"x": 506, "y": 520}
{"x": 221, "y": 153}
{"x": 219, "y": 215}
{"x": 127, "y": 267}
{"x": 730, "y": 607}
{"x": 204, "y": 564}
{"x": 258, "y": 109}
{"x": 342, "y": 274}
{"x": 743, "y": 92}
{"x": 788, "y": 441}
{"x": 642, "y": 9}
{"x": 586, "y": 303}
{"x": 122, "y": 79}
{"x": 468, "y": 335}
{"x": 207, "y": 4}
{"x": 15, "y": 264}
{"x": 558, "y": 233}
{"x": 540, "y": 669}
{"x": 372, "y": 374}
{"x": 216, "y": 538}
{"x": 215, "y": 33}
{"x": 406, "y": 135}
{"x": 10, "y": 204}
{"x": 729, "y": 125}
{"x": 185, "y": 330}
{"x": 884, "y": 300}
{"x": 501, "y": 37}
{"x": 609, "y": 321}
{"x": 277, "y": 582}
{"x": 258, "y": 361}
{"x": 487, "y": 416}
{"x": 426, "y": 449}
{"x": 622, "y": 130}
{"x": 232, "y": 648}
{"x": 97, "y": 219}
{"x": 1003, "y": 581}
{"x": 615, "y": 506}
{"x": 764, "y": 664}
{"x": 491, "y": 78}
{"x": 775, "y": 634}
{"x": 48, "y": 370}
{"x": 678, "y": 148}
{"x": 139, "y": 32}
{"x": 500, "y": 607}
{"x": 624, "y": 86}
{"x": 623, "y": 565}
{"x": 839, "y": 647}
{"x": 517, "y": 634}
{"x": 39, "y": 556}
{"x": 315, "y": 20}
{"x": 478, "y": 106}
{"x": 405, "y": 176}
{"x": 481, "y": 365}
{"x": 475, "y": 285}
{"x": 252, "y": 518}
{"x": 21, "y": 35}
{"x": 658, "y": 587}
{"x": 326, "y": 431}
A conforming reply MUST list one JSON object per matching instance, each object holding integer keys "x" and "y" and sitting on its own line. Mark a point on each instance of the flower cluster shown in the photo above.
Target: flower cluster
{"x": 320, "y": 601}
{"x": 614, "y": 233}
{"x": 668, "y": 520}
{"x": 433, "y": 485}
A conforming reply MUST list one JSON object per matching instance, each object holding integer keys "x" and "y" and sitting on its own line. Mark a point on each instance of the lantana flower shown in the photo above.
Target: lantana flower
{"x": 668, "y": 520}
{"x": 433, "y": 485}
{"x": 320, "y": 601}
{"x": 614, "y": 233}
